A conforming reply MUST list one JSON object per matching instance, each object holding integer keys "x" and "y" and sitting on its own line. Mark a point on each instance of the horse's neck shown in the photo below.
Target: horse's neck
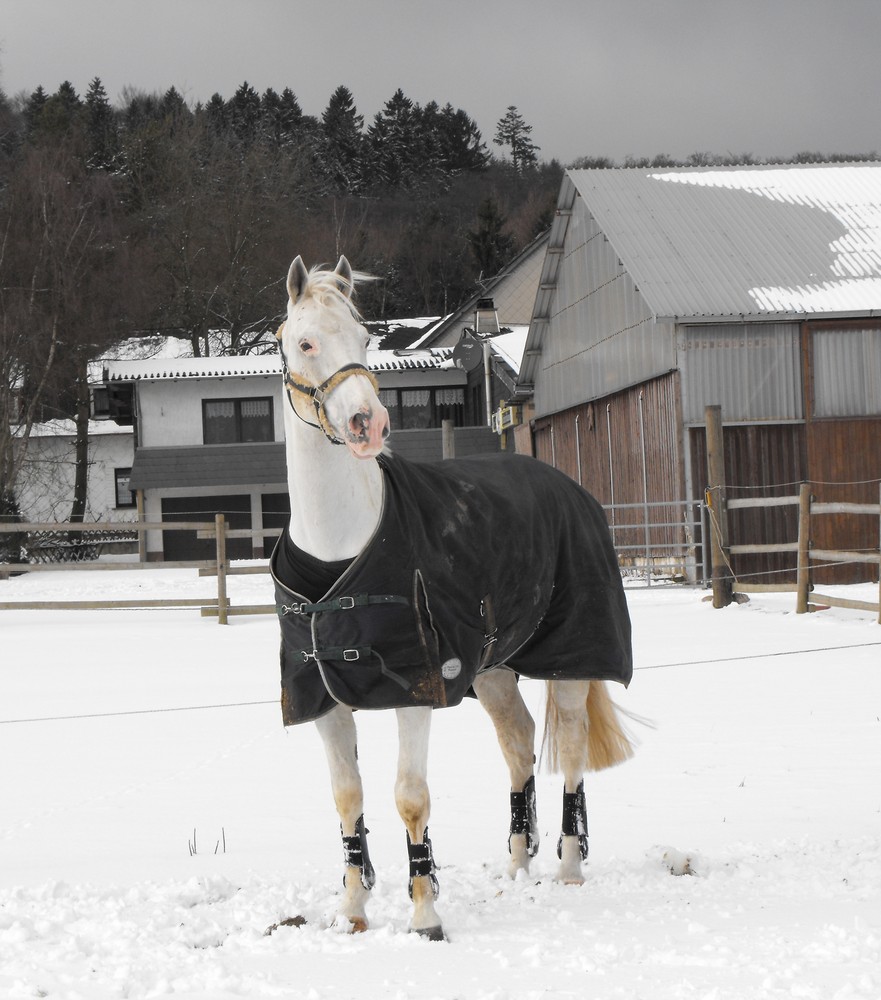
{"x": 336, "y": 499}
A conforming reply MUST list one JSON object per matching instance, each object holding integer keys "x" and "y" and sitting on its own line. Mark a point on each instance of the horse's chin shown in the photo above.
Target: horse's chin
{"x": 363, "y": 449}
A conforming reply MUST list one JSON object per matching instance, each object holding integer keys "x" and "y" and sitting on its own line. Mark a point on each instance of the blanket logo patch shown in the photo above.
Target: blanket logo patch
{"x": 450, "y": 669}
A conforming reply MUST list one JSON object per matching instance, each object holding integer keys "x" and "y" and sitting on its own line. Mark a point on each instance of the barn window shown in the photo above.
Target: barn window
{"x": 237, "y": 421}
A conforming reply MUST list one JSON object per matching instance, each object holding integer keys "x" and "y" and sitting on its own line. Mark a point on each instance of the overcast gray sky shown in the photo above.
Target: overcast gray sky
{"x": 593, "y": 77}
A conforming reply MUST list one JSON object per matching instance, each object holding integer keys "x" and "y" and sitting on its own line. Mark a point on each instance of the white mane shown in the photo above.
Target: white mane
{"x": 333, "y": 291}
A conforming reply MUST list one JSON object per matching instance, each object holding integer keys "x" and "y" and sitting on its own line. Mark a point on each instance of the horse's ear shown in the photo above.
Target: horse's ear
{"x": 297, "y": 278}
{"x": 345, "y": 278}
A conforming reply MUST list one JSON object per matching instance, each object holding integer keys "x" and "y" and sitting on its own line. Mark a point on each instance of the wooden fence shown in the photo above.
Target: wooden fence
{"x": 806, "y": 555}
{"x": 219, "y": 567}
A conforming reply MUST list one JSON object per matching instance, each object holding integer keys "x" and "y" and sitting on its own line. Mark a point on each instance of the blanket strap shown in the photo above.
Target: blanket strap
{"x": 354, "y": 654}
{"x": 339, "y": 604}
{"x": 490, "y": 630}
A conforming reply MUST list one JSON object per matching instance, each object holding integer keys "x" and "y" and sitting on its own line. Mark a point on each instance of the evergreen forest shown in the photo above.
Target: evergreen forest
{"x": 153, "y": 216}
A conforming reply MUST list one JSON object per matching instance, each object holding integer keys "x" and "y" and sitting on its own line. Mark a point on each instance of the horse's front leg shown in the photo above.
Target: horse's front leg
{"x": 337, "y": 730}
{"x": 414, "y": 806}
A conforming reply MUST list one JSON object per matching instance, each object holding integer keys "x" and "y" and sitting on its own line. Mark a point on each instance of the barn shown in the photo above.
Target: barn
{"x": 753, "y": 288}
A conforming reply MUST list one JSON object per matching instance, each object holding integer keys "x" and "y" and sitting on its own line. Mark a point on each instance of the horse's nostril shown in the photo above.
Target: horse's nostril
{"x": 359, "y": 424}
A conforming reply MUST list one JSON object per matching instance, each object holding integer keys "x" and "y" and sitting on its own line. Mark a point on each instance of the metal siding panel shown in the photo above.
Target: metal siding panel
{"x": 601, "y": 336}
{"x": 752, "y": 370}
{"x": 847, "y": 373}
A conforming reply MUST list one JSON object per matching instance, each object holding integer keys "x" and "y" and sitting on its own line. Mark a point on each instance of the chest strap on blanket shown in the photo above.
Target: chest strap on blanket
{"x": 339, "y": 604}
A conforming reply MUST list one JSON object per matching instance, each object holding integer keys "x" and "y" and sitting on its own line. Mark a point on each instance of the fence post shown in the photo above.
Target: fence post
{"x": 448, "y": 439}
{"x": 722, "y": 583}
{"x": 142, "y": 535}
{"x": 803, "y": 571}
{"x": 220, "y": 532}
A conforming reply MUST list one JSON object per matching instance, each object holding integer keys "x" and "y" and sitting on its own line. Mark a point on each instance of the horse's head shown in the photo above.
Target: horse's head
{"x": 324, "y": 351}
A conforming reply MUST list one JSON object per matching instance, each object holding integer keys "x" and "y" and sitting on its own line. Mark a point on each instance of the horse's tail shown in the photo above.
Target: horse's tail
{"x": 607, "y": 741}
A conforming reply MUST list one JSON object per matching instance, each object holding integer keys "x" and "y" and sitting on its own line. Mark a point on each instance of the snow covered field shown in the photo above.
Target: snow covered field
{"x": 158, "y": 818}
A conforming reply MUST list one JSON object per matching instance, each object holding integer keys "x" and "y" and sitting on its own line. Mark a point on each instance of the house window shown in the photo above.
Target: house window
{"x": 410, "y": 409}
{"x": 124, "y": 496}
{"x": 236, "y": 421}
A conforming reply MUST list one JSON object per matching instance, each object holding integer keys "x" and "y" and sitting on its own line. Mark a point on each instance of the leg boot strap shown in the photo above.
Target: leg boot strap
{"x": 357, "y": 856}
{"x": 524, "y": 818}
{"x": 574, "y": 820}
{"x": 422, "y": 863}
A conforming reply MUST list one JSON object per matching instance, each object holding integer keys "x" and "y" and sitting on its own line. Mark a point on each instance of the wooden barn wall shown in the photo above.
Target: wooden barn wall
{"x": 760, "y": 460}
{"x": 609, "y": 440}
{"x": 844, "y": 459}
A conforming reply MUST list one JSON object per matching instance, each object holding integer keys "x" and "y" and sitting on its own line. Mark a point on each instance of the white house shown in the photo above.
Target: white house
{"x": 209, "y": 436}
{"x": 45, "y": 487}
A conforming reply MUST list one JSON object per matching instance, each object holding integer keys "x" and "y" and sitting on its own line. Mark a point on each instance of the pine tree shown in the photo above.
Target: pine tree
{"x": 101, "y": 133}
{"x": 216, "y": 114}
{"x": 512, "y": 131}
{"x": 342, "y": 142}
{"x": 461, "y": 145}
{"x": 397, "y": 143}
{"x": 33, "y": 111}
{"x": 243, "y": 113}
{"x": 173, "y": 107}
{"x": 489, "y": 245}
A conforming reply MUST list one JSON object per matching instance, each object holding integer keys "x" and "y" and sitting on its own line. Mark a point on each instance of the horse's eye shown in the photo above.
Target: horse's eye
{"x": 306, "y": 346}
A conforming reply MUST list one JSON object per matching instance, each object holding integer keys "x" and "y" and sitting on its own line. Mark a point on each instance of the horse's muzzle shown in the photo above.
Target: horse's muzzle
{"x": 367, "y": 431}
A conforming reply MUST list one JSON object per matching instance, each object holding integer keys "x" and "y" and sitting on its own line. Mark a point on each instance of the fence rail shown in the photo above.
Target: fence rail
{"x": 218, "y": 605}
{"x": 806, "y": 599}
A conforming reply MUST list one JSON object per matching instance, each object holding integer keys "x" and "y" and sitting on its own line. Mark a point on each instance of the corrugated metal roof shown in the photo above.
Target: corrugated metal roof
{"x": 260, "y": 364}
{"x": 786, "y": 241}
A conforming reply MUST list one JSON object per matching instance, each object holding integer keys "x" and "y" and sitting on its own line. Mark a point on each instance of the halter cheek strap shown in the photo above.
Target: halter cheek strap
{"x": 319, "y": 394}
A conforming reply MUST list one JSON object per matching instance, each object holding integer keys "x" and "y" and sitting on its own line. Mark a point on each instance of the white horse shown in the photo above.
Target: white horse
{"x": 335, "y": 428}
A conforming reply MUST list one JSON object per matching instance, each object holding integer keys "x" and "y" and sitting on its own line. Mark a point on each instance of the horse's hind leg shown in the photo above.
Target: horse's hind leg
{"x": 567, "y": 744}
{"x": 499, "y": 694}
{"x": 337, "y": 730}
{"x": 414, "y": 806}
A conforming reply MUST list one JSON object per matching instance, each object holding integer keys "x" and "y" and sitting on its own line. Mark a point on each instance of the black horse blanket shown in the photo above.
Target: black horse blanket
{"x": 476, "y": 563}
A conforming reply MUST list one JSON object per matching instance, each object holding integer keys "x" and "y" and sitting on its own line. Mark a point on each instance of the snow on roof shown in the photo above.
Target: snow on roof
{"x": 259, "y": 364}
{"x": 67, "y": 428}
{"x": 510, "y": 346}
{"x": 793, "y": 240}
{"x": 171, "y": 357}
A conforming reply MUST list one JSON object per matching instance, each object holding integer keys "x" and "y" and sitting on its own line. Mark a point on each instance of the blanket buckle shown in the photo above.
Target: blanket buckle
{"x": 292, "y": 609}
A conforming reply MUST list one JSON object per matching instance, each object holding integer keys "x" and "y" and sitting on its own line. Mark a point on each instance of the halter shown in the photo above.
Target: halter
{"x": 319, "y": 394}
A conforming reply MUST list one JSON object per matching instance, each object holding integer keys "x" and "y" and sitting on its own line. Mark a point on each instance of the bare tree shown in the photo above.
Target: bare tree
{"x": 59, "y": 298}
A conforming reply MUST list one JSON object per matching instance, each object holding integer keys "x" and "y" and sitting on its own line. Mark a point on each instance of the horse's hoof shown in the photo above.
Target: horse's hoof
{"x": 358, "y": 925}
{"x": 431, "y": 933}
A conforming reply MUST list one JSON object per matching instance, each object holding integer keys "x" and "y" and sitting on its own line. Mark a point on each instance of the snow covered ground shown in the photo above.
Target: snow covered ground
{"x": 156, "y": 818}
